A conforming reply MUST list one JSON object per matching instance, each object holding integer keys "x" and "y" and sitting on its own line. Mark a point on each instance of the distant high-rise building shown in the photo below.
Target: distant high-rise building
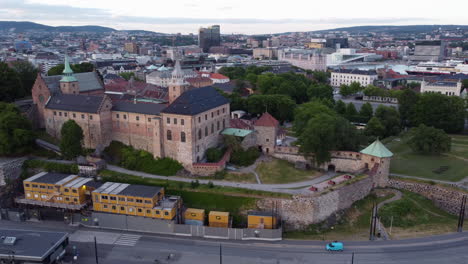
{"x": 131, "y": 47}
{"x": 428, "y": 50}
{"x": 209, "y": 37}
{"x": 337, "y": 43}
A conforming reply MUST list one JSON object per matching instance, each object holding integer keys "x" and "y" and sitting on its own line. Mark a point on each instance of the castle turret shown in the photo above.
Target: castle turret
{"x": 178, "y": 85}
{"x": 68, "y": 83}
{"x": 377, "y": 159}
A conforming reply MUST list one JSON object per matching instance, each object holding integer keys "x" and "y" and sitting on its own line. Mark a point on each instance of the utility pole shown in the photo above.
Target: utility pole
{"x": 95, "y": 250}
{"x": 461, "y": 215}
{"x": 373, "y": 222}
{"x": 220, "y": 254}
{"x": 352, "y": 258}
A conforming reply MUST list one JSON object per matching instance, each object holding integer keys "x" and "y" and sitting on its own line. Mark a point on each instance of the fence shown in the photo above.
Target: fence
{"x": 158, "y": 226}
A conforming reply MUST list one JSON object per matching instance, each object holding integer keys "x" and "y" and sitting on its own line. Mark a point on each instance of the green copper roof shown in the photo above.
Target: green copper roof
{"x": 377, "y": 149}
{"x": 68, "y": 72}
{"x": 236, "y": 132}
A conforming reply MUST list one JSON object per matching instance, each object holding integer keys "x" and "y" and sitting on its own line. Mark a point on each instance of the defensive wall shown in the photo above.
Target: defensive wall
{"x": 207, "y": 169}
{"x": 446, "y": 198}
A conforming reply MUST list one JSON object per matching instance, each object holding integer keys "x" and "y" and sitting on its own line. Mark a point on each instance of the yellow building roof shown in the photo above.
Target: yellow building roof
{"x": 219, "y": 213}
{"x": 195, "y": 211}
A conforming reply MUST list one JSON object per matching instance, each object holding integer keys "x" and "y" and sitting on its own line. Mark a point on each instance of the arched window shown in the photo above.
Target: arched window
{"x": 206, "y": 131}
{"x": 212, "y": 128}
{"x": 199, "y": 134}
{"x": 182, "y": 136}
{"x": 169, "y": 135}
{"x": 224, "y": 123}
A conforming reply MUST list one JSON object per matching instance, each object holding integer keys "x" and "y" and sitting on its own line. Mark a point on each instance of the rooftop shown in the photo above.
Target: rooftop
{"x": 377, "y": 149}
{"x": 267, "y": 120}
{"x": 196, "y": 101}
{"x": 30, "y": 245}
{"x": 138, "y": 107}
{"x": 88, "y": 81}
{"x": 128, "y": 189}
{"x": 356, "y": 71}
{"x": 236, "y": 132}
{"x": 51, "y": 178}
{"x": 75, "y": 102}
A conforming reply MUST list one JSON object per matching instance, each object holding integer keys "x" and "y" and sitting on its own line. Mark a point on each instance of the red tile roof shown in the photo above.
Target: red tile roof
{"x": 238, "y": 123}
{"x": 218, "y": 76}
{"x": 267, "y": 120}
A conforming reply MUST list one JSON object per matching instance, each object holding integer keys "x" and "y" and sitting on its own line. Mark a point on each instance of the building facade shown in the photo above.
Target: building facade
{"x": 428, "y": 50}
{"x": 209, "y": 37}
{"x": 313, "y": 59}
{"x": 347, "y": 77}
{"x": 447, "y": 88}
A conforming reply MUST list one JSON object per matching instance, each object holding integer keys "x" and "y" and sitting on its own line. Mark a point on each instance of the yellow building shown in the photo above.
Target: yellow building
{"x": 132, "y": 199}
{"x": 218, "y": 219}
{"x": 262, "y": 220}
{"x": 57, "y": 190}
{"x": 194, "y": 216}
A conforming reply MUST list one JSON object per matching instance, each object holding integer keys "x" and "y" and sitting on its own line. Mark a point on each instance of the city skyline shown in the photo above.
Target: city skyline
{"x": 245, "y": 17}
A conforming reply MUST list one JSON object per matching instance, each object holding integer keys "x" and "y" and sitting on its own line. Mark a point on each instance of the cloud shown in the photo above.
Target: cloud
{"x": 23, "y": 10}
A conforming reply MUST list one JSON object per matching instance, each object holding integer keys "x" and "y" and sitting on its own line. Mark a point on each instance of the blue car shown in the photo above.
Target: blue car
{"x": 335, "y": 246}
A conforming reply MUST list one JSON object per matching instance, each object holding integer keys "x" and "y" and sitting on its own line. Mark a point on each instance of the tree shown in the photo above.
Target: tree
{"x": 372, "y": 90}
{"x": 440, "y": 111}
{"x": 345, "y": 90}
{"x": 77, "y": 68}
{"x": 127, "y": 75}
{"x": 16, "y": 136}
{"x": 279, "y": 106}
{"x": 351, "y": 112}
{"x": 375, "y": 128}
{"x": 320, "y": 90}
{"x": 321, "y": 77}
{"x": 306, "y": 112}
{"x": 407, "y": 106}
{"x": 390, "y": 119}
{"x": 429, "y": 140}
{"x": 355, "y": 87}
{"x": 318, "y": 137}
{"x": 11, "y": 87}
{"x": 366, "y": 112}
{"x": 71, "y": 140}
{"x": 465, "y": 83}
{"x": 340, "y": 108}
{"x": 27, "y": 73}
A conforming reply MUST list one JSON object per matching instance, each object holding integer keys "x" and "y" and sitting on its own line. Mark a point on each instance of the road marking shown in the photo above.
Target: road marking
{"x": 127, "y": 240}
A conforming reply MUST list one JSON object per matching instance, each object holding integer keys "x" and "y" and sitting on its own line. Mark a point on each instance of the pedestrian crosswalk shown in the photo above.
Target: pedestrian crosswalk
{"x": 127, "y": 240}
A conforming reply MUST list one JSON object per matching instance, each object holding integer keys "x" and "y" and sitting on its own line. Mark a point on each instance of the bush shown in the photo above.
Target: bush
{"x": 51, "y": 166}
{"x": 194, "y": 184}
{"x": 211, "y": 185}
{"x": 245, "y": 157}
{"x": 219, "y": 175}
{"x": 214, "y": 154}
{"x": 140, "y": 160}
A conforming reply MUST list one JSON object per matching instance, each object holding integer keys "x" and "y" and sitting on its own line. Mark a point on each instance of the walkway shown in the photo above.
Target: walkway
{"x": 383, "y": 232}
{"x": 290, "y": 188}
{"x": 461, "y": 184}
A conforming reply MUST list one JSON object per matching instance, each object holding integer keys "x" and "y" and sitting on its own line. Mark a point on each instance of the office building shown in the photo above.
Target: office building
{"x": 209, "y": 37}
{"x": 428, "y": 50}
{"x": 348, "y": 76}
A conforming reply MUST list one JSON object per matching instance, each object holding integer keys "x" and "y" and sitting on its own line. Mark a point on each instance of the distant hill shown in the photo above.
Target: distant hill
{"x": 31, "y": 26}
{"x": 395, "y": 29}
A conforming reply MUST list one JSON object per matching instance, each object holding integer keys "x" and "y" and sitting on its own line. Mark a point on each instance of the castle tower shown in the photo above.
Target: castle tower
{"x": 68, "y": 83}
{"x": 377, "y": 158}
{"x": 178, "y": 85}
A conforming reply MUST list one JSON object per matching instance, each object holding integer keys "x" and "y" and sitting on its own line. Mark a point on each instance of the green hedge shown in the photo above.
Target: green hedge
{"x": 245, "y": 157}
{"x": 51, "y": 166}
{"x": 140, "y": 160}
{"x": 214, "y": 154}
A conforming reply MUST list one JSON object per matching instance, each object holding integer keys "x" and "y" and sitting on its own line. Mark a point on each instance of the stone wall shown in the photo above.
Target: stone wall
{"x": 207, "y": 169}
{"x": 10, "y": 169}
{"x": 301, "y": 211}
{"x": 445, "y": 198}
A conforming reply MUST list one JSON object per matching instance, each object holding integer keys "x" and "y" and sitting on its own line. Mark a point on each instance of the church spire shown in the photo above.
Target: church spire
{"x": 67, "y": 72}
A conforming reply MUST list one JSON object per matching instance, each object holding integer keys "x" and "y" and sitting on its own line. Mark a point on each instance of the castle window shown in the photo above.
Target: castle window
{"x": 199, "y": 119}
{"x": 224, "y": 110}
{"x": 60, "y": 113}
{"x": 212, "y": 114}
{"x": 206, "y": 131}
{"x": 224, "y": 123}
{"x": 82, "y": 116}
{"x": 90, "y": 117}
{"x": 199, "y": 134}
{"x": 149, "y": 119}
{"x": 175, "y": 121}
{"x": 125, "y": 116}
{"x": 168, "y": 120}
{"x": 74, "y": 115}
{"x": 65, "y": 114}
{"x": 217, "y": 112}
{"x": 206, "y": 117}
{"x": 182, "y": 136}
{"x": 217, "y": 125}
{"x": 182, "y": 121}
{"x": 137, "y": 118}
{"x": 117, "y": 116}
{"x": 169, "y": 135}
{"x": 212, "y": 128}
{"x": 198, "y": 149}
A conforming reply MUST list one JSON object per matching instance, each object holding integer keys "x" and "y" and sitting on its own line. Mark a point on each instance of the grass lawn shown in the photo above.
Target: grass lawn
{"x": 354, "y": 225}
{"x": 405, "y": 161}
{"x": 281, "y": 171}
{"x": 414, "y": 216}
{"x": 235, "y": 177}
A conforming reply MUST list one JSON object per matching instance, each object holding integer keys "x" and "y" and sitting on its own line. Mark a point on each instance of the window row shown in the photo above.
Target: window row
{"x": 212, "y": 115}
{"x": 124, "y": 116}
{"x": 174, "y": 121}
{"x": 65, "y": 114}
{"x": 122, "y": 199}
{"x": 130, "y": 209}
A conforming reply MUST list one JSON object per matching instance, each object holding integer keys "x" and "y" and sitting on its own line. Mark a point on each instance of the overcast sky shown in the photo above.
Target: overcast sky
{"x": 234, "y": 16}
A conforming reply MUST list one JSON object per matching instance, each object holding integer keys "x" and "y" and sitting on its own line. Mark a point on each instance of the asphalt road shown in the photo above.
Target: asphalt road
{"x": 116, "y": 247}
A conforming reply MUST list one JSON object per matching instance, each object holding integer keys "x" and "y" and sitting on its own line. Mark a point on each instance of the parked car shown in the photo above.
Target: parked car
{"x": 335, "y": 246}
